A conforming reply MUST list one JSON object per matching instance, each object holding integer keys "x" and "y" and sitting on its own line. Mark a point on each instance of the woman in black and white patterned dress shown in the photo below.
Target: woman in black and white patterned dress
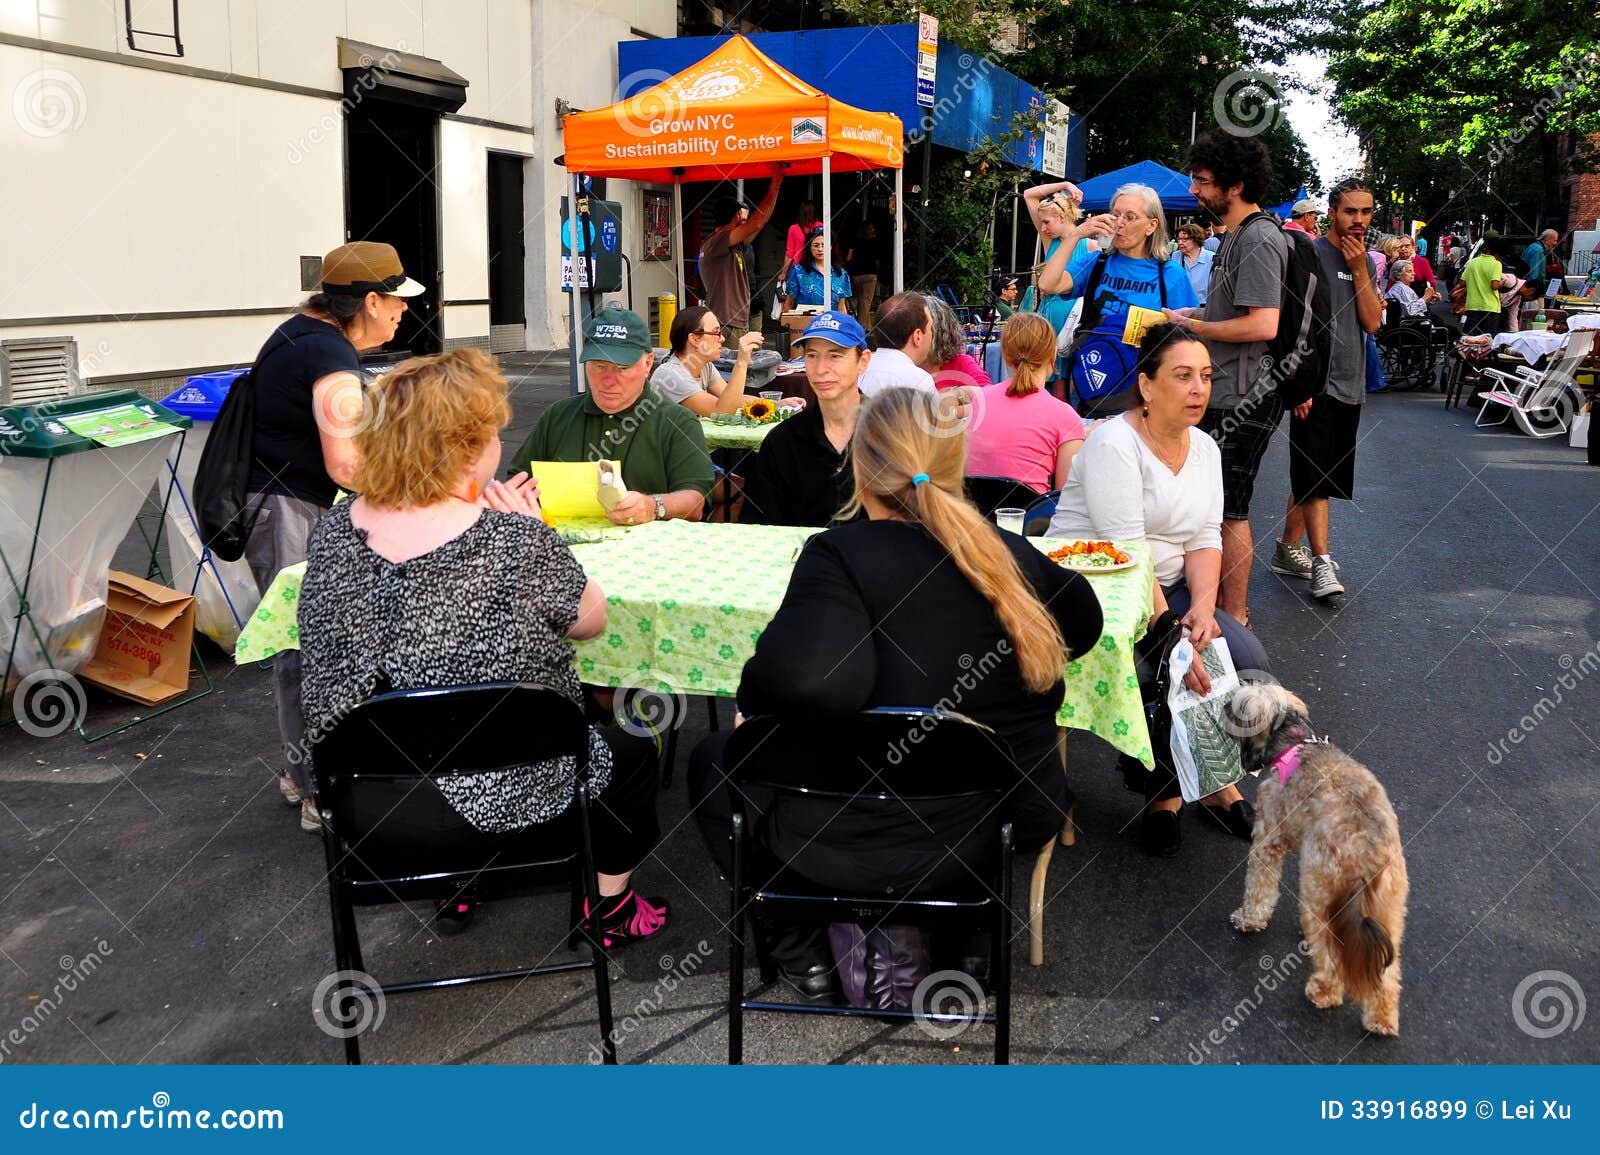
{"x": 437, "y": 575}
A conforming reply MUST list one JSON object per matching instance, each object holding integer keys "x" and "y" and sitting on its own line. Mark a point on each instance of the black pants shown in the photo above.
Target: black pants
{"x": 923, "y": 862}
{"x": 406, "y": 815}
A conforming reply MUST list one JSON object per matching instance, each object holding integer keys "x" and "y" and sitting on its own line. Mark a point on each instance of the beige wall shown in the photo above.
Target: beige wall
{"x": 577, "y": 31}
{"x": 136, "y": 190}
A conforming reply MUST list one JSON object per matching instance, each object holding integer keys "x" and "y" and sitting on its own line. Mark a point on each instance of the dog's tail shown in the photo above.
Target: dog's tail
{"x": 1362, "y": 944}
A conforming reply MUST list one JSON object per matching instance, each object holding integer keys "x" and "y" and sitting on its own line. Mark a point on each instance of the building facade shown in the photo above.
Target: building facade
{"x": 176, "y": 168}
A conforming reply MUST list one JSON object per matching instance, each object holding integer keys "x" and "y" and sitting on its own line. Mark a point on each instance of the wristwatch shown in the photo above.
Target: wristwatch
{"x": 661, "y": 506}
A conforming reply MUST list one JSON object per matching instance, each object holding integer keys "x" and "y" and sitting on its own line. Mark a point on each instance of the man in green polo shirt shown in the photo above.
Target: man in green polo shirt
{"x": 659, "y": 443}
{"x": 1484, "y": 279}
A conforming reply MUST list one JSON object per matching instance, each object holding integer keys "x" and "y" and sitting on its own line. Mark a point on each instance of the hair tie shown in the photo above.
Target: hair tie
{"x": 918, "y": 479}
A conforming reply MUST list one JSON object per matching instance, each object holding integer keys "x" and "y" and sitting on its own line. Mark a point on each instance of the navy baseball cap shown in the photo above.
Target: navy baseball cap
{"x": 839, "y": 328}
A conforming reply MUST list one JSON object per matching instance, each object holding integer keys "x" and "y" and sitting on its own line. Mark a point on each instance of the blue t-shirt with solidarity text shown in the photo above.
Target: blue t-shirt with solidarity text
{"x": 1131, "y": 281}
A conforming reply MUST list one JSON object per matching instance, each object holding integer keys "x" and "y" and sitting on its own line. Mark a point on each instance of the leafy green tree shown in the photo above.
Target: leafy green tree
{"x": 1463, "y": 106}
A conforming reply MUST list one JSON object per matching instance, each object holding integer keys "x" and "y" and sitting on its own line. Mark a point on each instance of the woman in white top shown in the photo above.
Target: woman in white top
{"x": 688, "y": 377}
{"x": 1147, "y": 474}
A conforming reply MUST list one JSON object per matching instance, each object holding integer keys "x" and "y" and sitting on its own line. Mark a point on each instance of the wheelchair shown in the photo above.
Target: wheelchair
{"x": 1411, "y": 348}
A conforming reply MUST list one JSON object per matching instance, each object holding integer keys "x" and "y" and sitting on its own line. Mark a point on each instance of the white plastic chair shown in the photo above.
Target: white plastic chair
{"x": 1541, "y": 403}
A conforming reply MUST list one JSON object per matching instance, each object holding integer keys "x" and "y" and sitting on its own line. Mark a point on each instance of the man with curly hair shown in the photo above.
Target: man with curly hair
{"x": 1229, "y": 176}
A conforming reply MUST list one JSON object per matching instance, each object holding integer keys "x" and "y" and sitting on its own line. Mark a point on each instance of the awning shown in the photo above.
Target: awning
{"x": 876, "y": 67}
{"x": 373, "y": 72}
{"x": 733, "y": 114}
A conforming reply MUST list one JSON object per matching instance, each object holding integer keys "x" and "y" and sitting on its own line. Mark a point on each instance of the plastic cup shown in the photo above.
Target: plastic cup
{"x": 1010, "y": 519}
{"x": 772, "y": 395}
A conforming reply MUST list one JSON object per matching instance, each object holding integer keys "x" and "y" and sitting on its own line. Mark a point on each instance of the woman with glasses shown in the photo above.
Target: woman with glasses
{"x": 803, "y": 286}
{"x": 688, "y": 376}
{"x": 1133, "y": 273}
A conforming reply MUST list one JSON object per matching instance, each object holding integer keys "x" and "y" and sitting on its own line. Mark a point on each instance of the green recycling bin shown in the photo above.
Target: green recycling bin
{"x": 74, "y": 474}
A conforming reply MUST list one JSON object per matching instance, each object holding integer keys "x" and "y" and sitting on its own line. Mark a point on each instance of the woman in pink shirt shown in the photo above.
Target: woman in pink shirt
{"x": 1018, "y": 429}
{"x": 795, "y": 245}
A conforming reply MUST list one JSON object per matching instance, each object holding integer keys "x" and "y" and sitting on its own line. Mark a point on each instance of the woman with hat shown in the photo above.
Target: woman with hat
{"x": 309, "y": 405}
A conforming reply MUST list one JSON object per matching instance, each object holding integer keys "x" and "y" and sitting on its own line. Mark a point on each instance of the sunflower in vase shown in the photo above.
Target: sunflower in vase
{"x": 755, "y": 412}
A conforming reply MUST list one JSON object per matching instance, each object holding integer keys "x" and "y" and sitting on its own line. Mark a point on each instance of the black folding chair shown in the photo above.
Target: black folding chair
{"x": 992, "y": 493}
{"x": 903, "y": 755}
{"x": 385, "y": 830}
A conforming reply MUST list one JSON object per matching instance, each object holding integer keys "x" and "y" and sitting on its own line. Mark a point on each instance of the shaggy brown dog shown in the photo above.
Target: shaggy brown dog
{"x": 1352, "y": 871}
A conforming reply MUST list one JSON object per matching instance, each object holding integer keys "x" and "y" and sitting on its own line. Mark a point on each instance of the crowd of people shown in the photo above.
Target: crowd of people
{"x": 1149, "y": 425}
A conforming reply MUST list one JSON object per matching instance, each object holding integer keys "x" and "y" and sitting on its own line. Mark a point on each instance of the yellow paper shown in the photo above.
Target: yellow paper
{"x": 569, "y": 489}
{"x": 1140, "y": 319}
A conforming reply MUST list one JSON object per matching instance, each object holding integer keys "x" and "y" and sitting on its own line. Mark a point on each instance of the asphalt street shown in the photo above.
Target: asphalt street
{"x": 1462, "y": 666}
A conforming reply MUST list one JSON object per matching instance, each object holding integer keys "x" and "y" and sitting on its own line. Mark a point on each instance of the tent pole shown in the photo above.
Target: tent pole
{"x": 827, "y": 232}
{"x": 575, "y": 240}
{"x": 677, "y": 231}
{"x": 899, "y": 229}
{"x": 1016, "y": 205}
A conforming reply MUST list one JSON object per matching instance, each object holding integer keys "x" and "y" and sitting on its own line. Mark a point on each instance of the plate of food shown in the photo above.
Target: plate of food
{"x": 1091, "y": 557}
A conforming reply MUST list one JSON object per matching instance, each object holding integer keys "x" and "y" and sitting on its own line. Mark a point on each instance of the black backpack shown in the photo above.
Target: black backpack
{"x": 221, "y": 501}
{"x": 1298, "y": 359}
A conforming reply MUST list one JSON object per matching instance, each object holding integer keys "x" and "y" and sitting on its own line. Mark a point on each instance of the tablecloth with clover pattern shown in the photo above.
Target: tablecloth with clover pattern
{"x": 686, "y": 601}
{"x": 735, "y": 435}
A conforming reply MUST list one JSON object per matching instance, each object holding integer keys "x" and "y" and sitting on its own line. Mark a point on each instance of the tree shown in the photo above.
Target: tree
{"x": 1473, "y": 96}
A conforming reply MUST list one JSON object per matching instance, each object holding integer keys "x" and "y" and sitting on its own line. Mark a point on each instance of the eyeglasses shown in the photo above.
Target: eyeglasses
{"x": 1195, "y": 178}
{"x": 709, "y": 332}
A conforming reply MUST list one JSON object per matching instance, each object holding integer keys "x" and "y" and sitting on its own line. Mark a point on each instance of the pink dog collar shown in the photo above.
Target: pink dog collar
{"x": 1287, "y": 763}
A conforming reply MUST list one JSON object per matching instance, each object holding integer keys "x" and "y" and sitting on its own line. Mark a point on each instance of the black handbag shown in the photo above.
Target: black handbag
{"x": 221, "y": 498}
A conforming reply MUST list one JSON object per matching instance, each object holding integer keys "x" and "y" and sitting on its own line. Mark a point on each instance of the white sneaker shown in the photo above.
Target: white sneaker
{"x": 287, "y": 788}
{"x": 310, "y": 817}
{"x": 1325, "y": 578}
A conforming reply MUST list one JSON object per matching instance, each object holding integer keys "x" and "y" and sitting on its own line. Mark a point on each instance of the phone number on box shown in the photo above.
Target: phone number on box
{"x": 1443, "y": 1109}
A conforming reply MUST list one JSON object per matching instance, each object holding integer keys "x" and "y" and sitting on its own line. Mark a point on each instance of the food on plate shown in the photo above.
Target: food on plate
{"x": 1090, "y": 555}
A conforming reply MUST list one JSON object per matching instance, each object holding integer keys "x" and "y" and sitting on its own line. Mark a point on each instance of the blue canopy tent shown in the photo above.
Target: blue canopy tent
{"x": 1172, "y": 187}
{"x": 1286, "y": 208}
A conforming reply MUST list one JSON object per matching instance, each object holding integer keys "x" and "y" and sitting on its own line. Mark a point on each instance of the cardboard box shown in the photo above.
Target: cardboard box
{"x": 144, "y": 646}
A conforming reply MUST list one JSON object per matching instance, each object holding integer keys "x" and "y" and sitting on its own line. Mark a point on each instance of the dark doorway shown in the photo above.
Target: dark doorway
{"x": 391, "y": 166}
{"x": 506, "y": 306}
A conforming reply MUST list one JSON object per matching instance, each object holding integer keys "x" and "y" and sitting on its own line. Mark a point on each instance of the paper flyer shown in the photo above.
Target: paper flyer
{"x": 1139, "y": 320}
{"x": 121, "y": 425}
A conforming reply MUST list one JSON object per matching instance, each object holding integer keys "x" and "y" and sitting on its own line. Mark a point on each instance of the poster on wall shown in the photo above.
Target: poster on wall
{"x": 657, "y": 216}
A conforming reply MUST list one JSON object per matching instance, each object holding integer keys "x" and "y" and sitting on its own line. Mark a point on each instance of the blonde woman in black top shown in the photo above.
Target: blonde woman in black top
{"x": 901, "y": 609}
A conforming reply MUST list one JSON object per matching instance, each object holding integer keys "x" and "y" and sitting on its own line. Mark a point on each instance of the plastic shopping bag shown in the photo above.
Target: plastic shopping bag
{"x": 1205, "y": 753}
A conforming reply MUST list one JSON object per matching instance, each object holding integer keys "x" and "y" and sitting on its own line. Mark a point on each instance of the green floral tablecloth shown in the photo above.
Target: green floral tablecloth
{"x": 730, "y": 436}
{"x": 686, "y": 602}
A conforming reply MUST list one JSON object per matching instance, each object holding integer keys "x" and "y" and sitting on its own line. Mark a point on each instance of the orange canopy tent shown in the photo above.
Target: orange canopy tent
{"x": 735, "y": 114}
